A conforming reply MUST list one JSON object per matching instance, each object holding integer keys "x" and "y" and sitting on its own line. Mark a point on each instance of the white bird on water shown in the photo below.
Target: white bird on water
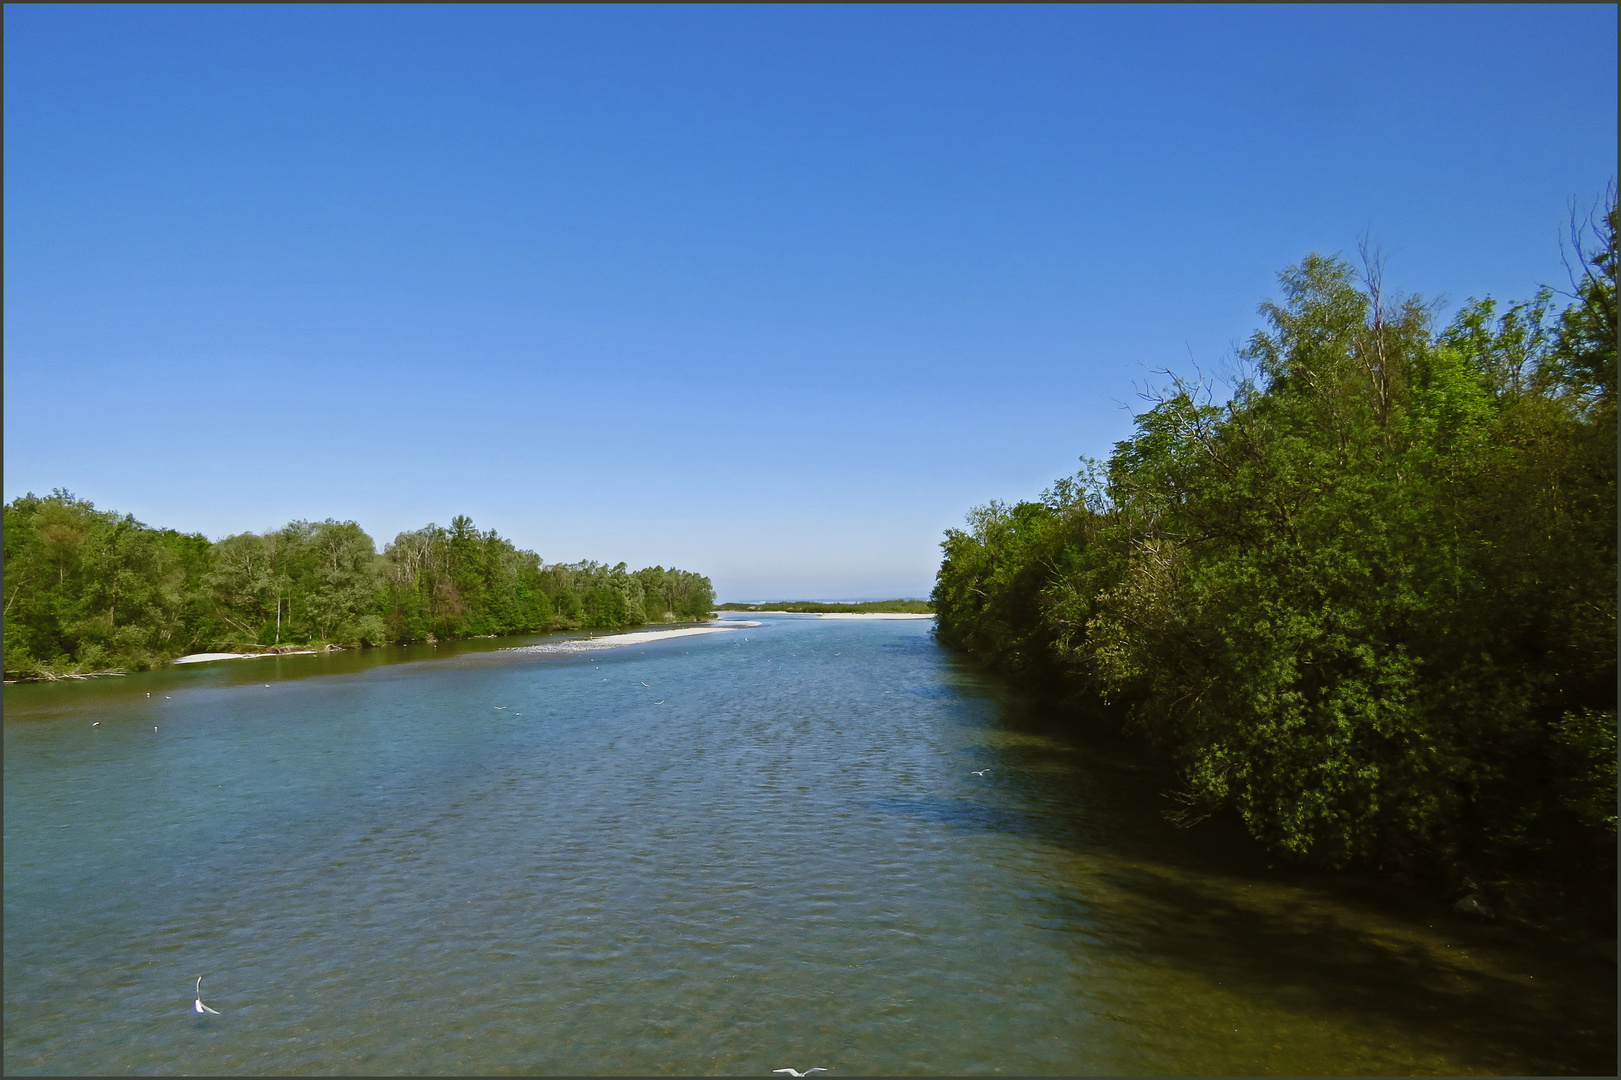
{"x": 981, "y": 772}
{"x": 198, "y": 1004}
{"x": 796, "y": 1072}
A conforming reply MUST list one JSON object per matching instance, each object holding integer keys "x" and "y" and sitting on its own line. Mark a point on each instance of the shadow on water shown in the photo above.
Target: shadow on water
{"x": 1303, "y": 950}
{"x": 1210, "y": 902}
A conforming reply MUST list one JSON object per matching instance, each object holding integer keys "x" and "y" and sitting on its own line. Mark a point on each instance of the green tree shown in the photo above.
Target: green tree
{"x": 1368, "y": 603}
{"x": 88, "y": 589}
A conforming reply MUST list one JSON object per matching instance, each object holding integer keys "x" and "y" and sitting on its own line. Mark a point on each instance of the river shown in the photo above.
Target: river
{"x": 730, "y": 853}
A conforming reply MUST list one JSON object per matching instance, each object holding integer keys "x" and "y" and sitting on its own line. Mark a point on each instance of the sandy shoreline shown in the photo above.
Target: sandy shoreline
{"x": 614, "y": 641}
{"x": 204, "y": 657}
{"x": 611, "y": 641}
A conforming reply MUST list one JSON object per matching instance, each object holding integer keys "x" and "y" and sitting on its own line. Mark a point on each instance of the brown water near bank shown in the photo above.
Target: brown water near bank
{"x": 1395, "y": 965}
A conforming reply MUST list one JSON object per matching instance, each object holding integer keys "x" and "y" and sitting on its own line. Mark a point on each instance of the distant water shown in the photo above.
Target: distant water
{"x": 787, "y": 863}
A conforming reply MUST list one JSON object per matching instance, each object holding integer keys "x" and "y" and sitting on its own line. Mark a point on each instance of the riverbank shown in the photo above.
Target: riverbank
{"x": 205, "y": 657}
{"x": 307, "y": 649}
{"x": 43, "y": 673}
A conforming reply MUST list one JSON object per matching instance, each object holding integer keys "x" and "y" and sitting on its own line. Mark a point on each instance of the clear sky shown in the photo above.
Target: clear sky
{"x": 775, "y": 294}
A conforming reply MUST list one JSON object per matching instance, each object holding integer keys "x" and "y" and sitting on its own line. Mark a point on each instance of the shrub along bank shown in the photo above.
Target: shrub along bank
{"x": 1367, "y": 603}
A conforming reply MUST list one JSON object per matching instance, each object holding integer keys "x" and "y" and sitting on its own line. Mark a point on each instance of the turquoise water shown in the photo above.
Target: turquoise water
{"x": 788, "y": 862}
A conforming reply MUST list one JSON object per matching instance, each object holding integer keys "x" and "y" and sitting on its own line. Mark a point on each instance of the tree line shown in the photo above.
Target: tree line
{"x": 1368, "y": 602}
{"x": 91, "y": 590}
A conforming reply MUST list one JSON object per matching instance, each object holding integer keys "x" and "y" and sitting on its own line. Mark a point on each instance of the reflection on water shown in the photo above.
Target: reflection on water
{"x": 788, "y": 862}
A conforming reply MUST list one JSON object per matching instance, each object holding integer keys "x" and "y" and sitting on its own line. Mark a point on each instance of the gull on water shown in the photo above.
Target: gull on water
{"x": 980, "y": 772}
{"x": 796, "y": 1072}
{"x": 96, "y": 724}
{"x": 198, "y": 1004}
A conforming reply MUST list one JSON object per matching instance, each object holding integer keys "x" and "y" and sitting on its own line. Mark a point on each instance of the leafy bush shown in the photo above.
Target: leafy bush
{"x": 1367, "y": 603}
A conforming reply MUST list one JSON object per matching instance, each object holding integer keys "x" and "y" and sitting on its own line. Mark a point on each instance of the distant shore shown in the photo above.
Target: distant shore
{"x": 847, "y": 614}
{"x": 821, "y": 607}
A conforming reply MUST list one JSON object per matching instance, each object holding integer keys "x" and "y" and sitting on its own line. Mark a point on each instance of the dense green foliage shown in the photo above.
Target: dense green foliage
{"x": 887, "y": 607}
{"x": 88, "y": 589}
{"x": 1368, "y": 603}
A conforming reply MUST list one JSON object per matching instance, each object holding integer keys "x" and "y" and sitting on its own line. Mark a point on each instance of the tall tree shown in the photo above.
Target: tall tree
{"x": 1368, "y": 603}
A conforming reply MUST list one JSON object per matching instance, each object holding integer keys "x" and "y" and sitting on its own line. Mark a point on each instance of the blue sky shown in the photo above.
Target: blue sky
{"x": 775, "y": 294}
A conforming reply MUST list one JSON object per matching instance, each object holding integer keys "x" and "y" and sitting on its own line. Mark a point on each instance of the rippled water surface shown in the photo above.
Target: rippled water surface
{"x": 788, "y": 862}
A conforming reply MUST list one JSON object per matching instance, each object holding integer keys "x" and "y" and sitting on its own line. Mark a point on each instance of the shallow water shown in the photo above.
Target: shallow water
{"x": 787, "y": 863}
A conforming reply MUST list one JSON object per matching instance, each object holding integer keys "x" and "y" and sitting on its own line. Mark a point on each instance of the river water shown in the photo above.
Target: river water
{"x": 728, "y": 853}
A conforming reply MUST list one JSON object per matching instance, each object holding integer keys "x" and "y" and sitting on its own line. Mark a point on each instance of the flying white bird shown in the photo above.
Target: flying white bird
{"x": 649, "y": 687}
{"x": 96, "y": 724}
{"x": 796, "y": 1072}
{"x": 198, "y": 1004}
{"x": 981, "y": 772}
{"x": 500, "y": 706}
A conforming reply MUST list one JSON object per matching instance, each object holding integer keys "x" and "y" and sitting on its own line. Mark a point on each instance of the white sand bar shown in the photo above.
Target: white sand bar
{"x": 613, "y": 641}
{"x": 204, "y": 657}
